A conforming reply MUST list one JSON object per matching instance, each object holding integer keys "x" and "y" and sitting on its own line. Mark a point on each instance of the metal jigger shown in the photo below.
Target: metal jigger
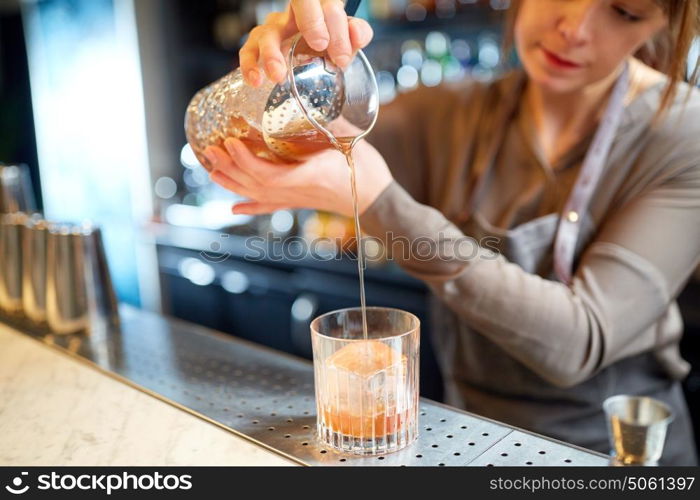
{"x": 637, "y": 428}
{"x": 104, "y": 308}
{"x": 11, "y": 263}
{"x": 79, "y": 293}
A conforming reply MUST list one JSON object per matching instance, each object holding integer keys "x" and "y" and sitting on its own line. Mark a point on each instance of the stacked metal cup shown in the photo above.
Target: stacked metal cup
{"x": 16, "y": 199}
{"x": 79, "y": 292}
{"x": 52, "y": 276}
{"x": 11, "y": 263}
{"x": 34, "y": 245}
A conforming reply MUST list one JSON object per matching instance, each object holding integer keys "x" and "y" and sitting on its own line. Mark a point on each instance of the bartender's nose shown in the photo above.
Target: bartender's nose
{"x": 577, "y": 21}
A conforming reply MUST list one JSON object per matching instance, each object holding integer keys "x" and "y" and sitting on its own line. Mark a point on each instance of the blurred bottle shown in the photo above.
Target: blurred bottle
{"x": 16, "y": 192}
{"x": 387, "y": 9}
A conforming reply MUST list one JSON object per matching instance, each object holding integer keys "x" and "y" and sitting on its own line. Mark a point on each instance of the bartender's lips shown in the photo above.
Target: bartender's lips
{"x": 559, "y": 61}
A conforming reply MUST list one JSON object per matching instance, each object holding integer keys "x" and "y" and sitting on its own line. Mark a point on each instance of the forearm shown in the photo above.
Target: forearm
{"x": 559, "y": 332}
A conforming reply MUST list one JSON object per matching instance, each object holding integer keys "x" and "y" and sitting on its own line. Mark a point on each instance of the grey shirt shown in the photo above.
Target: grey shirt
{"x": 513, "y": 342}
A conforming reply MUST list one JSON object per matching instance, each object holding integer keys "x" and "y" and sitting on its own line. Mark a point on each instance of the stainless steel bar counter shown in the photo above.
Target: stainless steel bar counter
{"x": 267, "y": 397}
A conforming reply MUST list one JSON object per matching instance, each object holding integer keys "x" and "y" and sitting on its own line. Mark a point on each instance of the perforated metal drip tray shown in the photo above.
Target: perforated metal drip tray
{"x": 268, "y": 397}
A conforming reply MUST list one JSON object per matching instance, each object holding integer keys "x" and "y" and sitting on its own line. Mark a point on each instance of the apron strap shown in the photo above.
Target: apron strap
{"x": 587, "y": 180}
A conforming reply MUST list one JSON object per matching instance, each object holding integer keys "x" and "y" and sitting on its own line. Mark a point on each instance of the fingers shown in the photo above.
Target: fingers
{"x": 262, "y": 171}
{"x": 323, "y": 24}
{"x": 248, "y": 59}
{"x": 240, "y": 171}
{"x": 251, "y": 169}
{"x": 262, "y": 48}
{"x": 226, "y": 182}
{"x": 311, "y": 23}
{"x": 216, "y": 158}
{"x": 360, "y": 32}
{"x": 223, "y": 164}
{"x": 269, "y": 47}
{"x": 336, "y": 20}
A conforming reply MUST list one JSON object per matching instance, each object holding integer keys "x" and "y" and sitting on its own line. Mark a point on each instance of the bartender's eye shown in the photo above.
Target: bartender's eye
{"x": 626, "y": 15}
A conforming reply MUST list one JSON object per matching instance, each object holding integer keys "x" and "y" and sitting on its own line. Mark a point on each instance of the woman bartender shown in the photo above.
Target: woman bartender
{"x": 581, "y": 171}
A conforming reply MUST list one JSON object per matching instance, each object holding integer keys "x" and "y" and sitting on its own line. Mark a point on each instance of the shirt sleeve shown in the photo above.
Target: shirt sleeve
{"x": 409, "y": 128}
{"x": 399, "y": 138}
{"x": 623, "y": 285}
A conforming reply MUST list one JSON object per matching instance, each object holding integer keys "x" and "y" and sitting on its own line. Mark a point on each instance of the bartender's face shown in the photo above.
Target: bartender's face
{"x": 565, "y": 45}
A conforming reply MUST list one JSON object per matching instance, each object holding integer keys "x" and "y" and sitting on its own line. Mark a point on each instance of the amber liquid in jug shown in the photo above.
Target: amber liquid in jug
{"x": 279, "y": 149}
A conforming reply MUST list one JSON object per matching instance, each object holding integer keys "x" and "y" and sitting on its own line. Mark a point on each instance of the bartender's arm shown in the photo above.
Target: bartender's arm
{"x": 627, "y": 276}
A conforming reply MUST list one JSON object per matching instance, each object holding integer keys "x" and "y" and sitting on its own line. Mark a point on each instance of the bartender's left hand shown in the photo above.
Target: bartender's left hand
{"x": 321, "y": 182}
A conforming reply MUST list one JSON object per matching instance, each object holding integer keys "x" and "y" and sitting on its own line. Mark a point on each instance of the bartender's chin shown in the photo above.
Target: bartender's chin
{"x": 554, "y": 83}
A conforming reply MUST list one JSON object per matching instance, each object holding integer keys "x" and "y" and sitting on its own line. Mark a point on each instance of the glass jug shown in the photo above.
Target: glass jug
{"x": 317, "y": 103}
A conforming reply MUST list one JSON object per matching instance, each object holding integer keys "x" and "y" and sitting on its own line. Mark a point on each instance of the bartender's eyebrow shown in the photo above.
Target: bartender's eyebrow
{"x": 650, "y": 4}
{"x": 647, "y": 7}
{"x": 662, "y": 4}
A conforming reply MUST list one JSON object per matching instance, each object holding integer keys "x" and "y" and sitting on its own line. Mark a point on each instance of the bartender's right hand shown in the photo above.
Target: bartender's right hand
{"x": 323, "y": 24}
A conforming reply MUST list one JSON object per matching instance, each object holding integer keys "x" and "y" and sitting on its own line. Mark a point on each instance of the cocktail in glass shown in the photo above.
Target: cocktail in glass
{"x": 366, "y": 388}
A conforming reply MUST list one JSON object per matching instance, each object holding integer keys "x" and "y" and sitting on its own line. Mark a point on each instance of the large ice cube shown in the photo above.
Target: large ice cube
{"x": 365, "y": 378}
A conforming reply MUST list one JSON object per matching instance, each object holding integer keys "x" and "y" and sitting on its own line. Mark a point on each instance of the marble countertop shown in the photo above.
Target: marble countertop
{"x": 58, "y": 410}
